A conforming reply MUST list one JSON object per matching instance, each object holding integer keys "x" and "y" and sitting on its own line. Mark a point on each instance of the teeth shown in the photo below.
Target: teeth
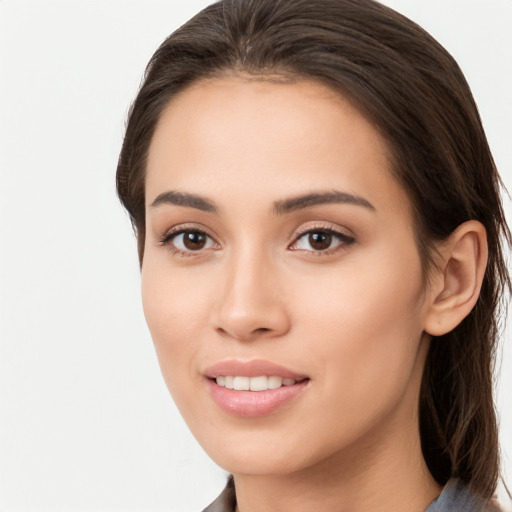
{"x": 258, "y": 383}
{"x": 261, "y": 383}
{"x": 241, "y": 383}
{"x": 228, "y": 382}
{"x": 275, "y": 382}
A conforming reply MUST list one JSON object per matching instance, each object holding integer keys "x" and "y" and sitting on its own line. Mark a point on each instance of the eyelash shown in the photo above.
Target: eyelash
{"x": 343, "y": 239}
{"x": 168, "y": 238}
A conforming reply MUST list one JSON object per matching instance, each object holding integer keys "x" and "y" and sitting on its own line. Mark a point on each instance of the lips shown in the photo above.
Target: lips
{"x": 253, "y": 368}
{"x": 252, "y": 388}
{"x": 260, "y": 383}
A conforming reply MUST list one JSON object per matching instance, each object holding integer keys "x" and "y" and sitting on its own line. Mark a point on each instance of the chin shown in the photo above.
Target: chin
{"x": 258, "y": 453}
{"x": 240, "y": 464}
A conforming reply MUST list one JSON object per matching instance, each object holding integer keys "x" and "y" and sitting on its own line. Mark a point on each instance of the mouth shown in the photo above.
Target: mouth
{"x": 259, "y": 383}
{"x": 253, "y": 388}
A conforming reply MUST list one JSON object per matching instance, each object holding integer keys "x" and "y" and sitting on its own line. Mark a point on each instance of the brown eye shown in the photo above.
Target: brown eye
{"x": 320, "y": 240}
{"x": 194, "y": 240}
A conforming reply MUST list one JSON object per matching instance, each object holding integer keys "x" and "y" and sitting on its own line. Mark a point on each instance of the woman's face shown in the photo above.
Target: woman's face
{"x": 280, "y": 256}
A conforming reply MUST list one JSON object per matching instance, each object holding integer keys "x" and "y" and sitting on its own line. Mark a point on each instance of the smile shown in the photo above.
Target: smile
{"x": 260, "y": 383}
{"x": 253, "y": 388}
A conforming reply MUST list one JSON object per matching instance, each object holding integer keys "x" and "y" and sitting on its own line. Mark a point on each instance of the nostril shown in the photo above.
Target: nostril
{"x": 245, "y": 336}
{"x": 243, "y": 320}
{"x": 222, "y": 331}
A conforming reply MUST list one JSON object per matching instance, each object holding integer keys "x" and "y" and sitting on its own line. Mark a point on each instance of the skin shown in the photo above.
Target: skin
{"x": 352, "y": 317}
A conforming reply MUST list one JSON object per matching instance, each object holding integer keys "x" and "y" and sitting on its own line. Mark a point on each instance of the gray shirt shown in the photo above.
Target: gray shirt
{"x": 455, "y": 497}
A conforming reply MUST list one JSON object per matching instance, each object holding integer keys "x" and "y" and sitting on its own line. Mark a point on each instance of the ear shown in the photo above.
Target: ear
{"x": 456, "y": 282}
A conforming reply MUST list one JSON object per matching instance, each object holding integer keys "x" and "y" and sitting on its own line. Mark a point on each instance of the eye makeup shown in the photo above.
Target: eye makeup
{"x": 321, "y": 239}
{"x": 188, "y": 240}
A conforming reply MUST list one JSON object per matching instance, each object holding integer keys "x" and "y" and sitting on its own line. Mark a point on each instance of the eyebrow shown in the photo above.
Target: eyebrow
{"x": 319, "y": 198}
{"x": 281, "y": 207}
{"x": 185, "y": 199}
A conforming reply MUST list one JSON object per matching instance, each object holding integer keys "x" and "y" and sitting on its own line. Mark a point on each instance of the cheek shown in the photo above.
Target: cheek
{"x": 174, "y": 299}
{"x": 366, "y": 326}
{"x": 174, "y": 308}
{"x": 372, "y": 294}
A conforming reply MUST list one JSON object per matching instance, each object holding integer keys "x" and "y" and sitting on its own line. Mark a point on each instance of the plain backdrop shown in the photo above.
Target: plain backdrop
{"x": 86, "y": 423}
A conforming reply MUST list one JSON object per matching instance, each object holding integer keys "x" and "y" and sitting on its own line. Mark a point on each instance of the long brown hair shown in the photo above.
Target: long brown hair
{"x": 417, "y": 97}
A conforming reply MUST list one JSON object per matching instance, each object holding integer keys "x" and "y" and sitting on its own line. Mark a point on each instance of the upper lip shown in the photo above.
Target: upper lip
{"x": 251, "y": 368}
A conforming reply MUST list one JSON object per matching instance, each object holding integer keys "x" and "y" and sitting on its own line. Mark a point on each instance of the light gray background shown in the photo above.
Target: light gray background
{"x": 86, "y": 423}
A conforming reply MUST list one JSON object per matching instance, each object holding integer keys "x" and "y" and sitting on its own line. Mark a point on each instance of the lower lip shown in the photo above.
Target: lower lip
{"x": 252, "y": 404}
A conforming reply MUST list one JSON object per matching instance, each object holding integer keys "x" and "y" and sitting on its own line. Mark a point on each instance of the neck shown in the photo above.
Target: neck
{"x": 382, "y": 471}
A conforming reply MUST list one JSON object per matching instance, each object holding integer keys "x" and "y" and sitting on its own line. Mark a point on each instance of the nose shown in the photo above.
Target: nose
{"x": 251, "y": 304}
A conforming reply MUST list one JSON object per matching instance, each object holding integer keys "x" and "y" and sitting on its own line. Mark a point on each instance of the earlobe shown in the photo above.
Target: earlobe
{"x": 458, "y": 280}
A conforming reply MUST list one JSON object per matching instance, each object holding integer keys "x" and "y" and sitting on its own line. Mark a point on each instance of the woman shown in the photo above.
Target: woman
{"x": 319, "y": 231}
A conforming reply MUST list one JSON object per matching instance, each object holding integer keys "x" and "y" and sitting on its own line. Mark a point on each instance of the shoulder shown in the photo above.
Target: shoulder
{"x": 456, "y": 496}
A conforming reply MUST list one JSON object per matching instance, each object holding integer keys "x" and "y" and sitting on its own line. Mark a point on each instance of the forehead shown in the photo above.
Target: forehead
{"x": 273, "y": 138}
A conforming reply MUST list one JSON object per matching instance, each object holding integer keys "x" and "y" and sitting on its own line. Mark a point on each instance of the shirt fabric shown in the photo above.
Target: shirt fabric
{"x": 455, "y": 497}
